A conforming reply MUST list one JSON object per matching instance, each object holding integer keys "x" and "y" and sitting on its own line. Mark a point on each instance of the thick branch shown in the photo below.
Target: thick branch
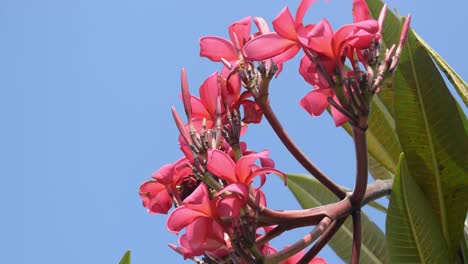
{"x": 360, "y": 186}
{"x": 299, "y": 218}
{"x": 356, "y": 251}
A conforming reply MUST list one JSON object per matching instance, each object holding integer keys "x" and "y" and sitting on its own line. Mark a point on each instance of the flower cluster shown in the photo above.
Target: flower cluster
{"x": 211, "y": 186}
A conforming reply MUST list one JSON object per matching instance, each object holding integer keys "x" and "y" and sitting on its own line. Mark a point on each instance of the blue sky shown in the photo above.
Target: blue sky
{"x": 86, "y": 90}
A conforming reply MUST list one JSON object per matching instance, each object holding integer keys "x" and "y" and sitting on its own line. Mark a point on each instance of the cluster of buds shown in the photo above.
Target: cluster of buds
{"x": 211, "y": 186}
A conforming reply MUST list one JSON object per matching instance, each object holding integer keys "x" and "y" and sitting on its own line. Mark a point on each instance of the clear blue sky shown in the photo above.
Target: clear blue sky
{"x": 86, "y": 90}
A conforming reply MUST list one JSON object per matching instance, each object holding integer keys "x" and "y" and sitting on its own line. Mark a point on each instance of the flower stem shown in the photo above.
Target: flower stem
{"x": 356, "y": 251}
{"x": 360, "y": 144}
{"x": 294, "y": 149}
{"x": 323, "y": 240}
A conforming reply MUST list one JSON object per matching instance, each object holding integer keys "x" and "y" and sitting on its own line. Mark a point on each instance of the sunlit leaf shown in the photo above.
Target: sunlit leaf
{"x": 413, "y": 232}
{"x": 432, "y": 135}
{"x": 459, "y": 84}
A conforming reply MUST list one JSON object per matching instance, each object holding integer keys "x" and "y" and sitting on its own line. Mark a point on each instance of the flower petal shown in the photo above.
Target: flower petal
{"x": 221, "y": 165}
{"x": 215, "y": 48}
{"x": 244, "y": 165}
{"x": 360, "y": 11}
{"x": 182, "y": 217}
{"x": 197, "y": 232}
{"x": 241, "y": 29}
{"x": 315, "y": 102}
{"x": 267, "y": 46}
{"x": 338, "y": 117}
{"x": 209, "y": 92}
{"x": 284, "y": 25}
{"x": 199, "y": 200}
{"x": 302, "y": 9}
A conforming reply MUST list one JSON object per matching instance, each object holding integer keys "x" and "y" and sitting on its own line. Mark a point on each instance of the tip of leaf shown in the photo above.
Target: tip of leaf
{"x": 126, "y": 258}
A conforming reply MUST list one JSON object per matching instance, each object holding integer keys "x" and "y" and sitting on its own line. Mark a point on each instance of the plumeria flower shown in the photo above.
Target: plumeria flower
{"x": 178, "y": 177}
{"x": 316, "y": 101}
{"x": 288, "y": 39}
{"x": 203, "y": 232}
{"x": 244, "y": 170}
{"x": 219, "y": 49}
{"x": 155, "y": 197}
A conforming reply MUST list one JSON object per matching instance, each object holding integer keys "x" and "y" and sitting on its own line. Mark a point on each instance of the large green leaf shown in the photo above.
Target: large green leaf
{"x": 126, "y": 258}
{"x": 310, "y": 193}
{"x": 413, "y": 232}
{"x": 432, "y": 135}
{"x": 459, "y": 84}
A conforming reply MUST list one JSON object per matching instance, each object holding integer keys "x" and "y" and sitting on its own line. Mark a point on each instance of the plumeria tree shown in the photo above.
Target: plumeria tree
{"x": 379, "y": 81}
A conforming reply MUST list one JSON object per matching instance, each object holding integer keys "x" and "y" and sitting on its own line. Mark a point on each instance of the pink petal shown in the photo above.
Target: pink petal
{"x": 199, "y": 200}
{"x": 244, "y": 165}
{"x": 361, "y": 32}
{"x": 252, "y": 112}
{"x": 261, "y": 25}
{"x": 302, "y": 9}
{"x": 360, "y": 11}
{"x": 198, "y": 109}
{"x": 209, "y": 92}
{"x": 263, "y": 171}
{"x": 182, "y": 217}
{"x": 241, "y": 29}
{"x": 284, "y": 25}
{"x": 221, "y": 165}
{"x": 285, "y": 56}
{"x": 231, "y": 199}
{"x": 197, "y": 232}
{"x": 338, "y": 117}
{"x": 165, "y": 174}
{"x": 267, "y": 46}
{"x": 320, "y": 38}
{"x": 315, "y": 102}
{"x": 318, "y": 260}
{"x": 216, "y": 48}
{"x": 160, "y": 203}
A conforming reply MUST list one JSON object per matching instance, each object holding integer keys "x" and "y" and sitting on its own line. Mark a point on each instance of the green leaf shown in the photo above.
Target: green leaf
{"x": 413, "y": 232}
{"x": 310, "y": 193}
{"x": 431, "y": 128}
{"x": 126, "y": 258}
{"x": 432, "y": 135}
{"x": 459, "y": 84}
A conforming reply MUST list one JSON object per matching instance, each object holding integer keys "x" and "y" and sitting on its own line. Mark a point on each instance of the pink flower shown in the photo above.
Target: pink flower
{"x": 155, "y": 197}
{"x": 316, "y": 101}
{"x": 242, "y": 171}
{"x": 203, "y": 233}
{"x": 283, "y": 44}
{"x": 217, "y": 48}
{"x": 177, "y": 177}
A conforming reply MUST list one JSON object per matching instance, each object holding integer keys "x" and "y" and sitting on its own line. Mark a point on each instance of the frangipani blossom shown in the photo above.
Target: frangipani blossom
{"x": 217, "y": 48}
{"x": 155, "y": 197}
{"x": 242, "y": 171}
{"x": 283, "y": 44}
{"x": 203, "y": 232}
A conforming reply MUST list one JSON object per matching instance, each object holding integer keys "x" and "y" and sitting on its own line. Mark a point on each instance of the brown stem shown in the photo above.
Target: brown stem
{"x": 360, "y": 144}
{"x": 278, "y": 230}
{"x": 294, "y": 149}
{"x": 298, "y": 218}
{"x": 323, "y": 240}
{"x": 302, "y": 243}
{"x": 356, "y": 251}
